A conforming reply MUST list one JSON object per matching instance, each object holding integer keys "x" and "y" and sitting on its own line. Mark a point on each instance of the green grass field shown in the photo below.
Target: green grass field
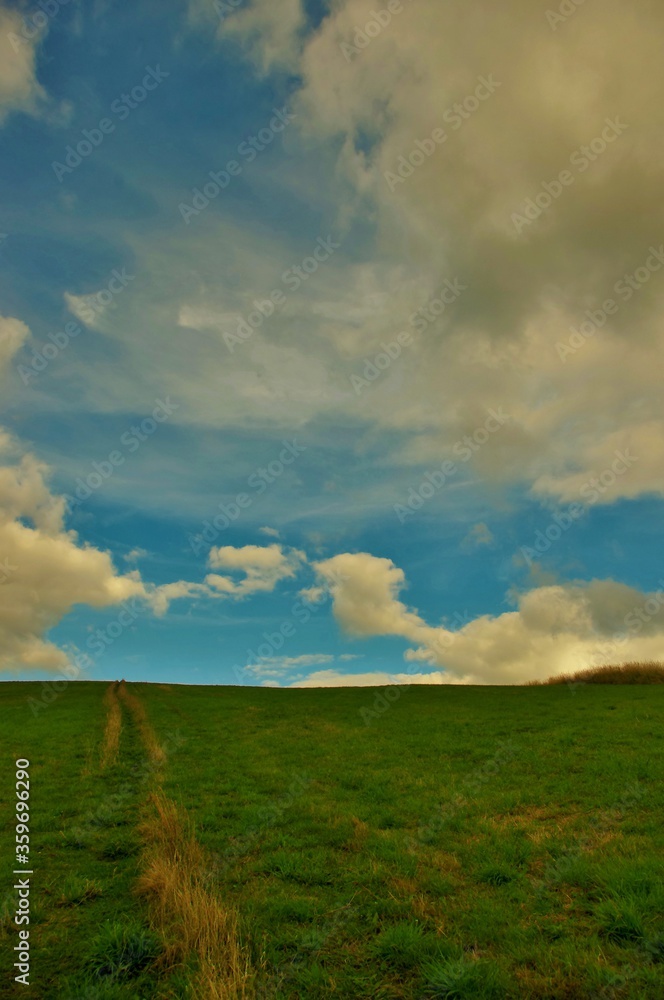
{"x": 457, "y": 843}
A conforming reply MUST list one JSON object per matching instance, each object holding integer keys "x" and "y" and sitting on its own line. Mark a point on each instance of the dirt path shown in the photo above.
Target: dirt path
{"x": 111, "y": 744}
{"x": 190, "y": 919}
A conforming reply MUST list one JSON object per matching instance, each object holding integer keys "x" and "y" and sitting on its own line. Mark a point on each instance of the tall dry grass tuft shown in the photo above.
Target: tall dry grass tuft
{"x": 189, "y": 918}
{"x": 135, "y": 706}
{"x": 624, "y": 673}
{"x": 111, "y": 745}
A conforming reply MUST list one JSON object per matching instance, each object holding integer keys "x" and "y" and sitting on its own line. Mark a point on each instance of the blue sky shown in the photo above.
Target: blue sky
{"x": 397, "y": 241}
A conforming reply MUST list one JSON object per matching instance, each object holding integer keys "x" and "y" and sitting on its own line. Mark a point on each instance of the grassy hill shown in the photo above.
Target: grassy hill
{"x": 454, "y": 842}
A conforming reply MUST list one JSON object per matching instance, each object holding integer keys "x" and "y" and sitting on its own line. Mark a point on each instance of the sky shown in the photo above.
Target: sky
{"x": 330, "y": 340}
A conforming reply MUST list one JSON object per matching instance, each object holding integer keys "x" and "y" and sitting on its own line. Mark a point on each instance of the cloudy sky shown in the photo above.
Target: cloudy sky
{"x": 330, "y": 340}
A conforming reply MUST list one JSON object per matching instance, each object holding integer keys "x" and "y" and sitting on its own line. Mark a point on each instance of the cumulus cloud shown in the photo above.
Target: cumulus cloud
{"x": 263, "y": 567}
{"x": 19, "y": 88}
{"x": 529, "y": 286}
{"x": 160, "y": 597}
{"x": 555, "y": 629}
{"x": 45, "y": 570}
{"x": 499, "y": 344}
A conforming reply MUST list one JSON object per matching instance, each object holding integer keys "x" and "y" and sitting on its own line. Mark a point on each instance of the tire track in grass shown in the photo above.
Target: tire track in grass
{"x": 93, "y": 941}
{"x": 111, "y": 744}
{"x": 174, "y": 867}
{"x": 153, "y": 747}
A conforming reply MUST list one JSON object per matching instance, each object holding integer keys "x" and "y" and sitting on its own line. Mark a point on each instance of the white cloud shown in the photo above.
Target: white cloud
{"x": 527, "y": 290}
{"x": 161, "y": 597}
{"x": 295, "y": 662}
{"x": 277, "y": 666}
{"x": 496, "y": 345}
{"x": 313, "y": 595}
{"x": 332, "y": 678}
{"x": 19, "y": 88}
{"x": 13, "y": 335}
{"x": 270, "y": 32}
{"x": 555, "y": 629}
{"x": 135, "y": 554}
{"x": 45, "y": 570}
{"x": 86, "y": 308}
{"x": 271, "y": 532}
{"x": 263, "y": 567}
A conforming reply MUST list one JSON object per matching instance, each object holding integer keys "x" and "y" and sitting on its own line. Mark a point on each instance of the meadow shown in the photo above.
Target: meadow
{"x": 454, "y": 842}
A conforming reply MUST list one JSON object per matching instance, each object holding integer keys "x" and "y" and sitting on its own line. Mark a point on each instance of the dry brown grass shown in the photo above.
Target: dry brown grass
{"x": 111, "y": 745}
{"x": 174, "y": 879}
{"x": 623, "y": 673}
{"x": 135, "y": 706}
{"x": 185, "y": 912}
